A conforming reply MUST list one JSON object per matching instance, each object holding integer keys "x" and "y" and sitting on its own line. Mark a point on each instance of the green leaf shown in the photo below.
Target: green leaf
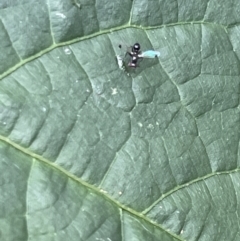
{"x": 90, "y": 152}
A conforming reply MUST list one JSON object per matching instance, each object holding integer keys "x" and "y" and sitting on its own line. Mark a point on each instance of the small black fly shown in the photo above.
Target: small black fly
{"x": 134, "y": 53}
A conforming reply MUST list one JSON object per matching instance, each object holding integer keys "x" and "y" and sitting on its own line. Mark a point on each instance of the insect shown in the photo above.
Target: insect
{"x": 136, "y": 55}
{"x": 134, "y": 59}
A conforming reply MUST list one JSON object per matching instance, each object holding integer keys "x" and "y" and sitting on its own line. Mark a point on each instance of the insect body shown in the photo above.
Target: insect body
{"x": 136, "y": 55}
{"x": 134, "y": 60}
{"x": 133, "y": 52}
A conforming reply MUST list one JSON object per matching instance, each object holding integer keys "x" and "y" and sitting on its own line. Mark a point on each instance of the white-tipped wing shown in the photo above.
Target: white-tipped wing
{"x": 149, "y": 54}
{"x": 120, "y": 61}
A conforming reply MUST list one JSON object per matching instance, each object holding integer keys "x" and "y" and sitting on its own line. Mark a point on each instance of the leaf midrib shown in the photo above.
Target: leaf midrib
{"x": 54, "y": 45}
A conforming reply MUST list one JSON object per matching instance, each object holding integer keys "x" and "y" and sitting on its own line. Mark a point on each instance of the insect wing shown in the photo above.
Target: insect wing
{"x": 149, "y": 54}
{"x": 121, "y": 64}
{"x": 120, "y": 61}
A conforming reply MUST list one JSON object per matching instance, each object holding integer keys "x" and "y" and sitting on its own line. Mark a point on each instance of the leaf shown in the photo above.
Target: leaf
{"x": 89, "y": 152}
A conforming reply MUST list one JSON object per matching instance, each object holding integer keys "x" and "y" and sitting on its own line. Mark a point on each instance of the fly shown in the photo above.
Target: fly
{"x": 136, "y": 55}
